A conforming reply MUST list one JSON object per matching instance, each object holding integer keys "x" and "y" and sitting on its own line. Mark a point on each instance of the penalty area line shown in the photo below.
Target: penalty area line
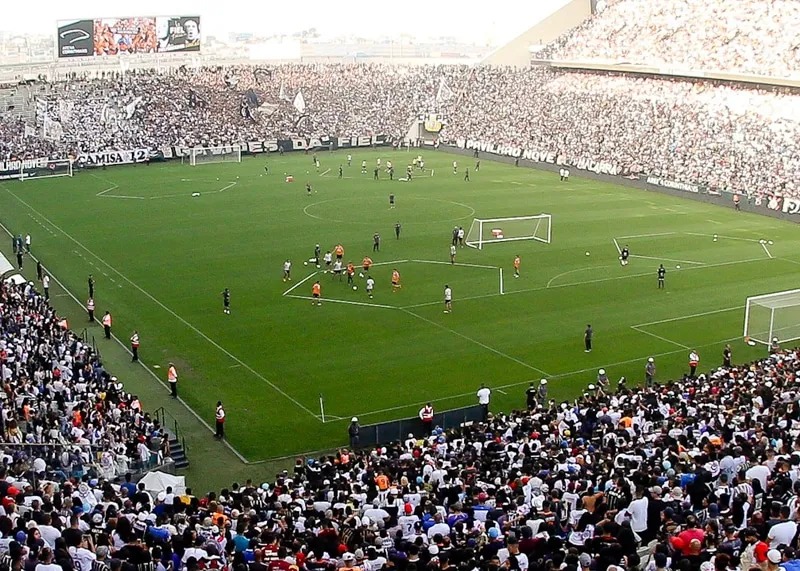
{"x": 343, "y": 301}
{"x": 691, "y": 316}
{"x": 670, "y": 341}
{"x": 301, "y": 282}
{"x": 456, "y": 264}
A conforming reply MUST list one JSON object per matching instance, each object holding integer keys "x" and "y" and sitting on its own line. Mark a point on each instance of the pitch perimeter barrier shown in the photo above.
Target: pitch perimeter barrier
{"x": 394, "y": 430}
{"x": 784, "y": 208}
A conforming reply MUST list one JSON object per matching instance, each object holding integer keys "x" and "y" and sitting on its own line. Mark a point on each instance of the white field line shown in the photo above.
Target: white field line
{"x": 658, "y": 337}
{"x": 552, "y": 377}
{"x": 301, "y": 282}
{"x": 393, "y": 262}
{"x": 109, "y": 189}
{"x": 647, "y": 235}
{"x": 721, "y": 236}
{"x": 344, "y": 301}
{"x": 766, "y": 250}
{"x": 170, "y": 311}
{"x": 146, "y": 368}
{"x": 691, "y": 316}
{"x": 668, "y": 260}
{"x": 456, "y": 264}
{"x": 183, "y": 194}
{"x": 326, "y": 171}
{"x": 586, "y": 282}
{"x": 587, "y": 269}
{"x": 476, "y": 342}
{"x": 713, "y": 221}
{"x": 616, "y": 245}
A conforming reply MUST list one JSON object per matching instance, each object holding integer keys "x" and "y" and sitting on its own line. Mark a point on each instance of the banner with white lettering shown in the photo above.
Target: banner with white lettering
{"x": 288, "y": 145}
{"x": 102, "y": 158}
{"x": 674, "y": 185}
{"x": 539, "y": 156}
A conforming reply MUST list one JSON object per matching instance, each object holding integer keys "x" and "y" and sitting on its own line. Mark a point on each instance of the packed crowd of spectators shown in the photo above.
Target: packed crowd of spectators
{"x": 745, "y": 36}
{"x": 723, "y": 136}
{"x": 62, "y": 415}
{"x": 697, "y": 474}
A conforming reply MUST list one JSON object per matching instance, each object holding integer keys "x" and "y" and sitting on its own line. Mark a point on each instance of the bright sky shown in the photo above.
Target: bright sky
{"x": 500, "y": 19}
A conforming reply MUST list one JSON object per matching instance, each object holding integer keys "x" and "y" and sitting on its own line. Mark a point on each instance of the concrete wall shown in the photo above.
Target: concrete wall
{"x": 517, "y": 52}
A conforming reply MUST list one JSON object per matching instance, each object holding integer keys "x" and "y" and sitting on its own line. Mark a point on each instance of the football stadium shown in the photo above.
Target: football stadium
{"x": 530, "y": 307}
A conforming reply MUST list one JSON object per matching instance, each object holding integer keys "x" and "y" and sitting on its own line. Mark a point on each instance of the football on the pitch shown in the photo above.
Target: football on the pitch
{"x": 360, "y": 275}
{"x": 587, "y": 253}
{"x": 317, "y": 265}
{"x": 678, "y": 266}
{"x": 355, "y": 288}
{"x": 305, "y": 263}
{"x": 770, "y": 242}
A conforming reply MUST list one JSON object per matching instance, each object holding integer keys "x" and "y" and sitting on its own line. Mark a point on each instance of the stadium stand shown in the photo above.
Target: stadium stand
{"x": 746, "y": 36}
{"x": 722, "y": 136}
{"x": 63, "y": 415}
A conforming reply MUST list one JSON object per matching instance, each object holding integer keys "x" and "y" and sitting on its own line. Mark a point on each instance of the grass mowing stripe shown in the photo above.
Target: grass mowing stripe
{"x": 476, "y": 342}
{"x": 170, "y": 311}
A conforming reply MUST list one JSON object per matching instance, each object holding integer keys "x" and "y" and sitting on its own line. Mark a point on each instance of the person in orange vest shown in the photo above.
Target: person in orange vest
{"x": 517, "y": 263}
{"x": 351, "y": 271}
{"x": 694, "y": 360}
{"x": 339, "y": 251}
{"x": 736, "y": 200}
{"x": 90, "y": 309}
{"x": 135, "y": 346}
{"x": 172, "y": 377}
{"x": 366, "y": 263}
{"x": 382, "y": 482}
{"x": 395, "y": 280}
{"x": 426, "y": 416}
{"x": 107, "y": 324}
{"x": 316, "y": 293}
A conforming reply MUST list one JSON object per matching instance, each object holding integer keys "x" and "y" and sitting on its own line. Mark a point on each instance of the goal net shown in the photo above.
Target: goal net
{"x": 45, "y": 168}
{"x": 208, "y": 155}
{"x": 491, "y": 230}
{"x": 773, "y": 315}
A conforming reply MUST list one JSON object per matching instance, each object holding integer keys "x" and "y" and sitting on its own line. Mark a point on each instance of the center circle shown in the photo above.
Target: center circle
{"x": 369, "y": 210}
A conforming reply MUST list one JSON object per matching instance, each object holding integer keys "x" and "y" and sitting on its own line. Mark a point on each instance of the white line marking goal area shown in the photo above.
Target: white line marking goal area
{"x": 642, "y": 327}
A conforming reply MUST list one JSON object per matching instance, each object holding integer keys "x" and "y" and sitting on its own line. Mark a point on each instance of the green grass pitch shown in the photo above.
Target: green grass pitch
{"x": 161, "y": 259}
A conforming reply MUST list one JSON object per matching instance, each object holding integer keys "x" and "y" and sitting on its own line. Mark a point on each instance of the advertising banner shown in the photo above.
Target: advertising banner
{"x": 178, "y": 33}
{"x": 113, "y": 36}
{"x": 74, "y": 38}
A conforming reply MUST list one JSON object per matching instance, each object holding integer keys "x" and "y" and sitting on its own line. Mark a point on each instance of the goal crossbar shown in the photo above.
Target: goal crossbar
{"x": 221, "y": 154}
{"x": 537, "y": 227}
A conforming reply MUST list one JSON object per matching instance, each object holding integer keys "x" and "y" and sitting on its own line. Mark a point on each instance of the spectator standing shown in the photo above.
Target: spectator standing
{"x": 172, "y": 378}
{"x": 220, "y": 421}
{"x": 107, "y": 324}
{"x": 484, "y": 393}
{"x": 650, "y": 372}
{"x": 135, "y": 346}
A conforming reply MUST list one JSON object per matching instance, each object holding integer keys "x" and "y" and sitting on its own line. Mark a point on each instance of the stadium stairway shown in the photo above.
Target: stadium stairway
{"x": 177, "y": 452}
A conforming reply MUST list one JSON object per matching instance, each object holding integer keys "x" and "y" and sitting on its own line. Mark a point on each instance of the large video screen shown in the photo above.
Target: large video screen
{"x": 135, "y": 35}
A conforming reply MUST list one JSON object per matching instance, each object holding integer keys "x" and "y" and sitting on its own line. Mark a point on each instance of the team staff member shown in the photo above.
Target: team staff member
{"x": 587, "y": 339}
{"x": 90, "y": 282}
{"x": 90, "y": 309}
{"x": 426, "y": 416}
{"x": 220, "y": 421}
{"x": 135, "y": 346}
{"x": 107, "y": 324}
{"x": 517, "y": 263}
{"x": 172, "y": 378}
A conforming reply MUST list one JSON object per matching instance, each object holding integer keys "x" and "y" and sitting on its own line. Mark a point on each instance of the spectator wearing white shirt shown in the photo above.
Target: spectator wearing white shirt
{"x": 782, "y": 533}
{"x": 484, "y": 393}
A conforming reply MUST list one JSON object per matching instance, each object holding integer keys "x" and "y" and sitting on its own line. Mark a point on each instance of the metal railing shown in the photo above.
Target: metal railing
{"x": 170, "y": 423}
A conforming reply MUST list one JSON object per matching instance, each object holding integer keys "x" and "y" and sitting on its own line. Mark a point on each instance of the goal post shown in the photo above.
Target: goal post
{"x": 772, "y": 315}
{"x": 49, "y": 168}
{"x": 211, "y": 155}
{"x": 483, "y": 231}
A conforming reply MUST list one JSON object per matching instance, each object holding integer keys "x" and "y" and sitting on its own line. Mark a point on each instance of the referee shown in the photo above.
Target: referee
{"x": 220, "y": 421}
